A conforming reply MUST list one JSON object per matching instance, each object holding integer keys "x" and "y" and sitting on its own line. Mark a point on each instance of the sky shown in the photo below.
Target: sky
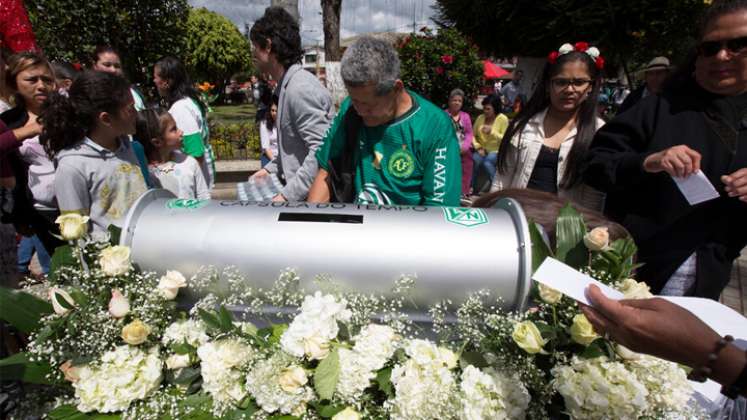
{"x": 358, "y": 16}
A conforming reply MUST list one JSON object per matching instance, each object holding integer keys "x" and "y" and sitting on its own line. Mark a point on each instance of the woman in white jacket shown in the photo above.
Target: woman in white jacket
{"x": 548, "y": 140}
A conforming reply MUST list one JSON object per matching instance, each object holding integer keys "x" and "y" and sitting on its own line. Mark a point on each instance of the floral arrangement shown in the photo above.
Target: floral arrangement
{"x": 112, "y": 341}
{"x": 583, "y": 47}
{"x": 206, "y": 97}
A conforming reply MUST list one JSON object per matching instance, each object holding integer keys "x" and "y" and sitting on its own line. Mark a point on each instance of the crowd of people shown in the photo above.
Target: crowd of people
{"x": 85, "y": 142}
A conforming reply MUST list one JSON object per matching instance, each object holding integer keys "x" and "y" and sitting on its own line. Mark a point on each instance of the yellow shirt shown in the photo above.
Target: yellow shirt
{"x": 489, "y": 142}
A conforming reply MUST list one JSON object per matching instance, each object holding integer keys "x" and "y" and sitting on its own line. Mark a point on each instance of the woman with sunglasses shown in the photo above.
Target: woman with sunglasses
{"x": 549, "y": 138}
{"x": 696, "y": 130}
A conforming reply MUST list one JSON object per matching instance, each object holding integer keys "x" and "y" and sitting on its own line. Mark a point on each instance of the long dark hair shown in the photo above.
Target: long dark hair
{"x": 269, "y": 121}
{"x": 68, "y": 119}
{"x": 585, "y": 125}
{"x": 149, "y": 126}
{"x": 282, "y": 30}
{"x": 180, "y": 84}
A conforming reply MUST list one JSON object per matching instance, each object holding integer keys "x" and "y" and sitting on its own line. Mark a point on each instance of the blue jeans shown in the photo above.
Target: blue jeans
{"x": 26, "y": 249}
{"x": 264, "y": 160}
{"x": 487, "y": 163}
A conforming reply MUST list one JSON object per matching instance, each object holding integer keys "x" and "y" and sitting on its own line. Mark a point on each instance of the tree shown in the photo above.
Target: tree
{"x": 141, "y": 30}
{"x": 215, "y": 47}
{"x": 331, "y": 18}
{"x": 634, "y": 30}
{"x": 434, "y": 65}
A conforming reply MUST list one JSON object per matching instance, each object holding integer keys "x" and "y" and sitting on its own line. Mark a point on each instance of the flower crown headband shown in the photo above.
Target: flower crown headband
{"x": 564, "y": 49}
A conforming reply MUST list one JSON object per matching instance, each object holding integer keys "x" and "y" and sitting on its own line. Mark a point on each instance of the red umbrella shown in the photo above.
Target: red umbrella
{"x": 493, "y": 71}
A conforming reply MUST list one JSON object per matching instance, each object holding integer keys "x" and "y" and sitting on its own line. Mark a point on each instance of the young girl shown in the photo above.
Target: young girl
{"x": 268, "y": 134}
{"x": 545, "y": 145}
{"x": 86, "y": 133}
{"x": 176, "y": 88}
{"x": 169, "y": 167}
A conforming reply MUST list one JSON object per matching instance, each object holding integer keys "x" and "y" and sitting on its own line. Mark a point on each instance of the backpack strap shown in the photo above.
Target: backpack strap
{"x": 341, "y": 179}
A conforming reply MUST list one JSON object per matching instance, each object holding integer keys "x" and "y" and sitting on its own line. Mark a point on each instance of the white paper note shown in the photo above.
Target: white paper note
{"x": 570, "y": 282}
{"x": 696, "y": 188}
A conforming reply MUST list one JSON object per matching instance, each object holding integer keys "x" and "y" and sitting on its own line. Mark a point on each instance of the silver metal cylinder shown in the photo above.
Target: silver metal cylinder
{"x": 452, "y": 251}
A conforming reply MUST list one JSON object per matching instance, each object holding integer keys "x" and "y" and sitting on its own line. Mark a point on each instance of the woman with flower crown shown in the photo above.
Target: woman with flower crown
{"x": 549, "y": 138}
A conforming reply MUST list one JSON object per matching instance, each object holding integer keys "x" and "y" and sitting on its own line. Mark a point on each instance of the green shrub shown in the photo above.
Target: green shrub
{"x": 235, "y": 141}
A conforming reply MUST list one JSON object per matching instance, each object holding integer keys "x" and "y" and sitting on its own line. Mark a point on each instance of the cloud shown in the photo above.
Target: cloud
{"x": 357, "y": 16}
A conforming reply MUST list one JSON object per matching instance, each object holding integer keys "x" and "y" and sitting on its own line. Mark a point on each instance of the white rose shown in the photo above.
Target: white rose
{"x": 115, "y": 260}
{"x": 582, "y": 331}
{"x": 55, "y": 296}
{"x": 292, "y": 378}
{"x": 119, "y": 306}
{"x": 72, "y": 226}
{"x": 528, "y": 337}
{"x": 71, "y": 372}
{"x": 177, "y": 361}
{"x": 347, "y": 414}
{"x": 598, "y": 239}
{"x": 565, "y": 49}
{"x": 136, "y": 332}
{"x": 549, "y": 295}
{"x": 170, "y": 284}
{"x": 315, "y": 348}
{"x": 593, "y": 52}
{"x": 635, "y": 290}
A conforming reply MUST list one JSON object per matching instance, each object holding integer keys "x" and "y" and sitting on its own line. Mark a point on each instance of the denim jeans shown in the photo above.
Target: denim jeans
{"x": 26, "y": 249}
{"x": 487, "y": 163}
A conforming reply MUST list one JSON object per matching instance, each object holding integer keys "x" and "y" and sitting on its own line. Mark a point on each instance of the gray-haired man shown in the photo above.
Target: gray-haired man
{"x": 391, "y": 146}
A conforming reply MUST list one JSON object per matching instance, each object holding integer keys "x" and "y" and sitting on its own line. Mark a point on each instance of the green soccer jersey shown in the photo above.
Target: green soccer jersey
{"x": 413, "y": 160}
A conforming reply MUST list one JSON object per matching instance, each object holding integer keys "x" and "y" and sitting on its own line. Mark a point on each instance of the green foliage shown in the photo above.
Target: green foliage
{"x": 215, "y": 47}
{"x": 22, "y": 310}
{"x": 19, "y": 368}
{"x": 326, "y": 375}
{"x": 434, "y": 65}
{"x": 637, "y": 29}
{"x": 569, "y": 235}
{"x": 141, "y": 30}
{"x": 62, "y": 257}
{"x": 235, "y": 141}
{"x": 540, "y": 250}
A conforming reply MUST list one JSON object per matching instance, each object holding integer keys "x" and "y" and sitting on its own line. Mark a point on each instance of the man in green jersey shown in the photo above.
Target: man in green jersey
{"x": 387, "y": 145}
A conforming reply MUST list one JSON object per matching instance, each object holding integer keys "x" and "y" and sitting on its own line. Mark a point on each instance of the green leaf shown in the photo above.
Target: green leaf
{"x": 115, "y": 233}
{"x": 473, "y": 358}
{"x": 187, "y": 375}
{"x": 183, "y": 348}
{"x": 540, "y": 249}
{"x": 66, "y": 412}
{"x": 22, "y": 310}
{"x": 327, "y": 410}
{"x": 63, "y": 302}
{"x": 19, "y": 368}
{"x": 569, "y": 237}
{"x": 384, "y": 381}
{"x": 595, "y": 349}
{"x": 209, "y": 319}
{"x": 62, "y": 257}
{"x": 326, "y": 375}
{"x": 78, "y": 297}
{"x": 226, "y": 321}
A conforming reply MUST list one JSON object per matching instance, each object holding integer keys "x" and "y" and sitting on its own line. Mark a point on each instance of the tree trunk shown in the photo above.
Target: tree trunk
{"x": 290, "y": 5}
{"x": 331, "y": 19}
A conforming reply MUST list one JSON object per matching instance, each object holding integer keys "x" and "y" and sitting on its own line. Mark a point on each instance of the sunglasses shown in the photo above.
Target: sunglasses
{"x": 733, "y": 46}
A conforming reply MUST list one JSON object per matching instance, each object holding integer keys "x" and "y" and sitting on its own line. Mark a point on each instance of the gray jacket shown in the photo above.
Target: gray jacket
{"x": 304, "y": 115}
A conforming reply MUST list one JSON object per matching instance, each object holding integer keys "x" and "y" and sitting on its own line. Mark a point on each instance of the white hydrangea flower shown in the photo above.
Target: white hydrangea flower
{"x": 354, "y": 378}
{"x": 666, "y": 382}
{"x": 125, "y": 374}
{"x": 376, "y": 344}
{"x": 425, "y": 387}
{"x": 422, "y": 392}
{"x": 221, "y": 364}
{"x": 489, "y": 394}
{"x": 598, "y": 388}
{"x": 311, "y": 331}
{"x": 191, "y": 331}
{"x": 263, "y": 383}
